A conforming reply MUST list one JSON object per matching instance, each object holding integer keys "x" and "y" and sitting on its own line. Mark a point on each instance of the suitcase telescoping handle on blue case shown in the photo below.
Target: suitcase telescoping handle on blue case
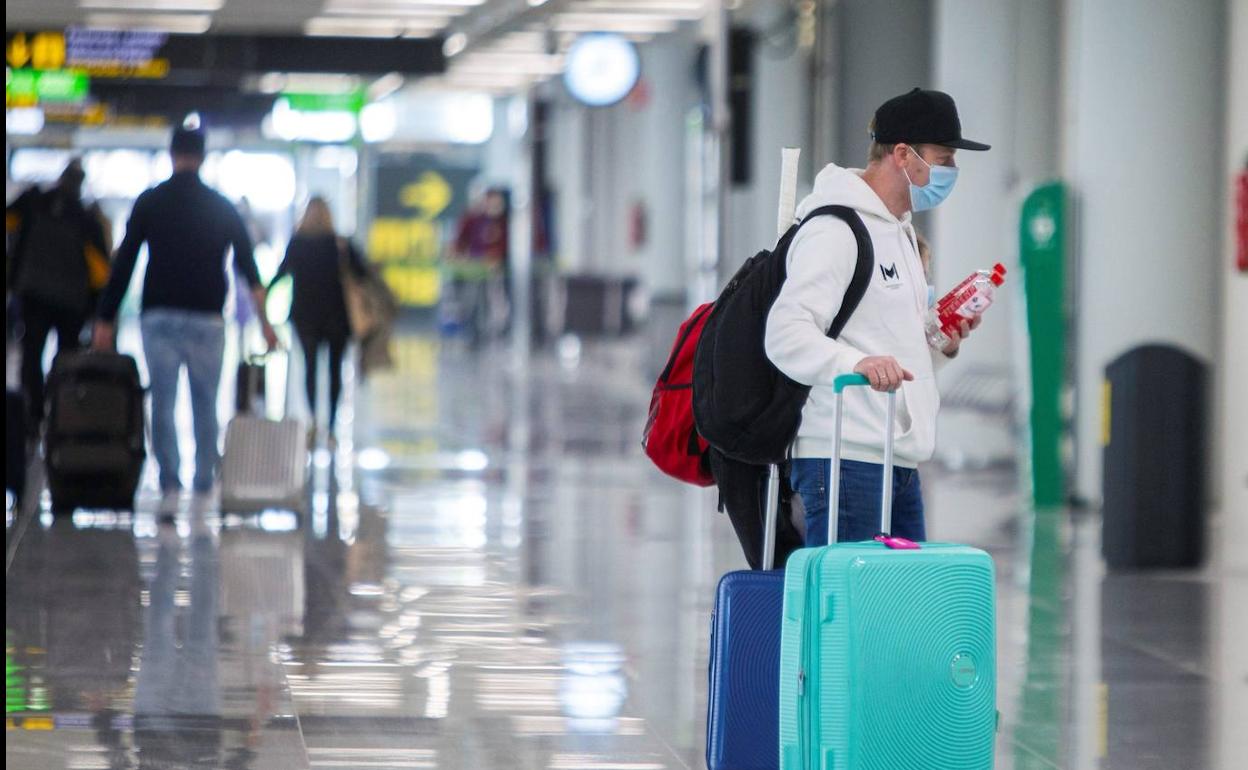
{"x": 771, "y": 520}
{"x": 834, "y": 480}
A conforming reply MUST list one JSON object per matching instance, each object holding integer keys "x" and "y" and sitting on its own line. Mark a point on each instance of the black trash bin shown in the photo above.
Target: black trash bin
{"x": 1154, "y": 471}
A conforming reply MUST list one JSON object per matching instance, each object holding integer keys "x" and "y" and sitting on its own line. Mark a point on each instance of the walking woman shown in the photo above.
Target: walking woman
{"x": 315, "y": 259}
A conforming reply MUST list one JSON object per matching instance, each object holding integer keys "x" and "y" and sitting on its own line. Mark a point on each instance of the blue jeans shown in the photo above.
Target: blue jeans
{"x": 860, "y": 500}
{"x": 173, "y": 339}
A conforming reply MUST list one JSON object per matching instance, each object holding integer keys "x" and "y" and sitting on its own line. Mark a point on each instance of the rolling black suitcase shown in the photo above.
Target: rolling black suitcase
{"x": 95, "y": 438}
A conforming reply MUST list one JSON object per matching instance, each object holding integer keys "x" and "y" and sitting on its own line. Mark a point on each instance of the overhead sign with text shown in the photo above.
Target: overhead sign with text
{"x": 103, "y": 53}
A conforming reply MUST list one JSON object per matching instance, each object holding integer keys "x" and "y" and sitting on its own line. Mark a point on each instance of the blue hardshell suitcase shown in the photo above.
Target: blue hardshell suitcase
{"x": 743, "y": 698}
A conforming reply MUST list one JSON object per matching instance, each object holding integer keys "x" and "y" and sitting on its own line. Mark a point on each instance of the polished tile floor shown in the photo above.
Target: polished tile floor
{"x": 489, "y": 575}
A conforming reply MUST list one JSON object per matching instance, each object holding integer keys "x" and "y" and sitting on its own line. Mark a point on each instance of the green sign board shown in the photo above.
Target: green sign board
{"x": 350, "y": 101}
{"x": 1042, "y": 240}
{"x": 63, "y": 86}
{"x": 28, "y": 86}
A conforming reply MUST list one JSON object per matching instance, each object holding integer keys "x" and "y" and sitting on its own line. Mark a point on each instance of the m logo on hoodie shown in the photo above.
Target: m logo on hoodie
{"x": 890, "y": 273}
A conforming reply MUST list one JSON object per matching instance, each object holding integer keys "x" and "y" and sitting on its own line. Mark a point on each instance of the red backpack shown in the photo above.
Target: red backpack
{"x": 671, "y": 440}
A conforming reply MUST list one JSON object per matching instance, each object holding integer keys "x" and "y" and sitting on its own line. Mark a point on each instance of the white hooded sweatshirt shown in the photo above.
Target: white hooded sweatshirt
{"x": 888, "y": 322}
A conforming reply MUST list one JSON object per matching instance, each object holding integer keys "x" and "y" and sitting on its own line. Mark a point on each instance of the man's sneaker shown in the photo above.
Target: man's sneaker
{"x": 202, "y": 502}
{"x": 170, "y": 501}
{"x": 167, "y": 533}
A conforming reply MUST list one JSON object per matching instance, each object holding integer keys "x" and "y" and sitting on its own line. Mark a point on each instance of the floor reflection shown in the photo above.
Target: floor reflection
{"x": 489, "y": 575}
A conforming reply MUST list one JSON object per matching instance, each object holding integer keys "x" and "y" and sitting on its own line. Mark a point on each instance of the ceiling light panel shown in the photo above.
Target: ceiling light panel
{"x": 353, "y": 26}
{"x": 380, "y": 7}
{"x": 205, "y": 6}
{"x": 188, "y": 23}
{"x": 613, "y": 22}
{"x": 406, "y": 13}
{"x": 679, "y": 9}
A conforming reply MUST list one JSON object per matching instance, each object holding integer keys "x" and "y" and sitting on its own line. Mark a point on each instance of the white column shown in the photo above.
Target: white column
{"x": 976, "y": 226}
{"x": 660, "y": 164}
{"x": 998, "y": 60}
{"x": 779, "y": 119}
{"x": 1143, "y": 139}
{"x": 883, "y": 50}
{"x": 520, "y": 233}
{"x": 569, "y": 140}
{"x": 1231, "y": 423}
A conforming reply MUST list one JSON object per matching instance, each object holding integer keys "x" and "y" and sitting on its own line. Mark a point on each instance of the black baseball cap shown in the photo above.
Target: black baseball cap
{"x": 187, "y": 141}
{"x": 921, "y": 117}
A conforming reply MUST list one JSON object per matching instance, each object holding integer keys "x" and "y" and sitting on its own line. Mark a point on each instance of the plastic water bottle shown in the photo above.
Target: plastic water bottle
{"x": 967, "y": 300}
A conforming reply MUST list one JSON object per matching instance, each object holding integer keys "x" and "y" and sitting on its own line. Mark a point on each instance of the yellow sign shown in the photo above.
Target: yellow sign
{"x": 392, "y": 239}
{"x": 42, "y": 51}
{"x": 48, "y": 51}
{"x": 18, "y": 53}
{"x": 414, "y": 286}
{"x": 430, "y": 194}
{"x": 152, "y": 70}
{"x": 31, "y": 723}
{"x": 408, "y": 250}
{"x": 95, "y": 114}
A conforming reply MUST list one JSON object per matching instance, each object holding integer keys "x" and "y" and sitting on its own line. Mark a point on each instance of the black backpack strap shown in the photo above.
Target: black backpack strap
{"x": 862, "y": 270}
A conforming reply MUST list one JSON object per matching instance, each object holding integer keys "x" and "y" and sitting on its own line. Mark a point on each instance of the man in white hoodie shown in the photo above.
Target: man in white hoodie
{"x": 911, "y": 168}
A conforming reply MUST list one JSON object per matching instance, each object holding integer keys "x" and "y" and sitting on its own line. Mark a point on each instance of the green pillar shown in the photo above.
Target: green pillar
{"x": 1043, "y": 254}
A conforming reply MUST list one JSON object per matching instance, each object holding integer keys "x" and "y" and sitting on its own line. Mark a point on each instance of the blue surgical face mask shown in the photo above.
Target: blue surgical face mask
{"x": 939, "y": 185}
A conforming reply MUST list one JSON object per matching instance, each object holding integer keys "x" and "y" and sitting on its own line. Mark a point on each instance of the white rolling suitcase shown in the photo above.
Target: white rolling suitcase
{"x": 265, "y": 462}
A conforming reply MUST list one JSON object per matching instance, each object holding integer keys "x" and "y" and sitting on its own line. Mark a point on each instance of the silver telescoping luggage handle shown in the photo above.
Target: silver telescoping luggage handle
{"x": 834, "y": 480}
{"x": 772, "y": 519}
{"x": 262, "y": 359}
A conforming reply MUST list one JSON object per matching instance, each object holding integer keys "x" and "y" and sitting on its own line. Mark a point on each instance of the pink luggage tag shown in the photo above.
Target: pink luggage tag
{"x": 897, "y": 543}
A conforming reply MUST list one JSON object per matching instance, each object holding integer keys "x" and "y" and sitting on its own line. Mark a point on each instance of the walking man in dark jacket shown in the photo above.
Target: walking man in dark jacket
{"x": 189, "y": 229}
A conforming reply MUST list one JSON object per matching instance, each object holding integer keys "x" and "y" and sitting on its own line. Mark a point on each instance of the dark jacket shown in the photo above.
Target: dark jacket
{"x": 189, "y": 228}
{"x": 314, "y": 263}
{"x": 60, "y": 250}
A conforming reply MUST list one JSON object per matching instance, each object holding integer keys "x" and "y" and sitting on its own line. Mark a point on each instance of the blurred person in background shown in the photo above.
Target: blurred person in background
{"x": 482, "y": 232}
{"x": 189, "y": 229}
{"x": 58, "y": 266}
{"x": 479, "y": 263}
{"x": 315, "y": 260}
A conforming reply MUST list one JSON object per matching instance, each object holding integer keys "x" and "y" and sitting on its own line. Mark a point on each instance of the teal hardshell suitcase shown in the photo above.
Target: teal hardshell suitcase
{"x": 888, "y": 648}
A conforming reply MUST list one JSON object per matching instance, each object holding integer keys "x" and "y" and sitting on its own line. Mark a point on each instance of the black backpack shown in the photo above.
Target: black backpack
{"x": 744, "y": 406}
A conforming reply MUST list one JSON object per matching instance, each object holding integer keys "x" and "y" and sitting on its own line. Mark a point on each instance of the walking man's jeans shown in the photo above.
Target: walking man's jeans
{"x": 173, "y": 339}
{"x": 860, "y": 500}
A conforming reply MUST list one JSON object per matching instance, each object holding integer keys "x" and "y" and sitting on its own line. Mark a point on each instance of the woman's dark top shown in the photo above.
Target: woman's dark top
{"x": 313, "y": 263}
